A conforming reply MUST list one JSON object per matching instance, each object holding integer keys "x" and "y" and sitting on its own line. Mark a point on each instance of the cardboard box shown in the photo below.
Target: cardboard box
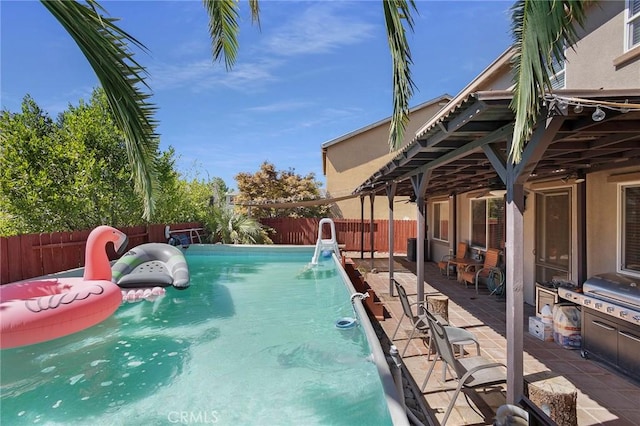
{"x": 542, "y": 330}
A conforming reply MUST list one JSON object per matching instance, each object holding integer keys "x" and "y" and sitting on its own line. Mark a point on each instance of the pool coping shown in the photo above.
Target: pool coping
{"x": 395, "y": 406}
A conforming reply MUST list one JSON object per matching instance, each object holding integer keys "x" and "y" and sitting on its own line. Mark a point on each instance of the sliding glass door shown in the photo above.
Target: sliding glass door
{"x": 553, "y": 235}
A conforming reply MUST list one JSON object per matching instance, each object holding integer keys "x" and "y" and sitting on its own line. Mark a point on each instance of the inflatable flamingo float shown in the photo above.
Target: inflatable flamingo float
{"x": 35, "y": 311}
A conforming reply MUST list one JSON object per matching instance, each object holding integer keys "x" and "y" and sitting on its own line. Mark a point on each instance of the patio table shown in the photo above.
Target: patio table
{"x": 462, "y": 264}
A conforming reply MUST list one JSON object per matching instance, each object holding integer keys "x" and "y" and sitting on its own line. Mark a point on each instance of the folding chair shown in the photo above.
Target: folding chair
{"x": 470, "y": 372}
{"x": 459, "y": 336}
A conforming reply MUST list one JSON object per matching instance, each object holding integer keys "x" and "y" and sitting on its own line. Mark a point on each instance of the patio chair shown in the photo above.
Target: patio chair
{"x": 448, "y": 261}
{"x": 470, "y": 372}
{"x": 459, "y": 336}
{"x": 474, "y": 274}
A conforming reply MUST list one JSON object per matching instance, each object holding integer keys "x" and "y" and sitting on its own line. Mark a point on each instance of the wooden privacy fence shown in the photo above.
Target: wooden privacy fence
{"x": 33, "y": 255}
{"x": 304, "y": 231}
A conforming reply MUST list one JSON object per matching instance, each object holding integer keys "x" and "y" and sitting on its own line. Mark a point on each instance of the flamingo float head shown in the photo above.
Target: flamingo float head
{"x": 97, "y": 266}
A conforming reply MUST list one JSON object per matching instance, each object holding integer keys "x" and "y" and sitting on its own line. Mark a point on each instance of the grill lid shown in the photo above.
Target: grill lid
{"x": 615, "y": 287}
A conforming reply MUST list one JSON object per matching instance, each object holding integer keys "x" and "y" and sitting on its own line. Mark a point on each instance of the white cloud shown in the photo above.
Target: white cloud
{"x": 321, "y": 28}
{"x": 60, "y": 103}
{"x": 205, "y": 75}
{"x": 169, "y": 76}
{"x": 280, "y": 106}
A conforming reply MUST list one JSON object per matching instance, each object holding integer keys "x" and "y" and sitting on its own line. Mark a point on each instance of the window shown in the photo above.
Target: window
{"x": 630, "y": 232}
{"x": 632, "y": 30}
{"x": 487, "y": 223}
{"x": 558, "y": 66}
{"x": 553, "y": 235}
{"x": 441, "y": 221}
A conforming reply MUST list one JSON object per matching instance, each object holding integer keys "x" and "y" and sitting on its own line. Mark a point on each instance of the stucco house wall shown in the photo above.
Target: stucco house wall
{"x": 598, "y": 60}
{"x": 352, "y": 158}
{"x": 592, "y": 65}
{"x": 595, "y": 63}
{"x": 603, "y": 215}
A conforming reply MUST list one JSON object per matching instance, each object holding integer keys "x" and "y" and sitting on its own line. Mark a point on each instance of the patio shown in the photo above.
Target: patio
{"x": 604, "y": 396}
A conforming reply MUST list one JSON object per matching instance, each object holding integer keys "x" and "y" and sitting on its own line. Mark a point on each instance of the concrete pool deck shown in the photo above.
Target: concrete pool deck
{"x": 604, "y": 396}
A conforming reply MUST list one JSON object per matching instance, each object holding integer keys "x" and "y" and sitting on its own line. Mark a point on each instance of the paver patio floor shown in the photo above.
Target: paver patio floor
{"x": 604, "y": 396}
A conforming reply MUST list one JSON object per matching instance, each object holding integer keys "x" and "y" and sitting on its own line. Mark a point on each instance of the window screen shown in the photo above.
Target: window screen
{"x": 441, "y": 221}
{"x": 633, "y": 23}
{"x": 487, "y": 223}
{"x": 631, "y": 228}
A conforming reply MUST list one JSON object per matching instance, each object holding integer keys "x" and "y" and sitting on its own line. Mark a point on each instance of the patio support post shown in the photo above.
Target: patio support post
{"x": 362, "y": 227}
{"x": 516, "y": 176}
{"x": 453, "y": 225}
{"x": 391, "y": 192}
{"x": 419, "y": 183}
{"x": 514, "y": 254}
{"x": 372, "y": 199}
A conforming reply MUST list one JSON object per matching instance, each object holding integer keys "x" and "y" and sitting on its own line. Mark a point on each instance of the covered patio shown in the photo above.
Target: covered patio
{"x": 603, "y": 396}
{"x": 465, "y": 150}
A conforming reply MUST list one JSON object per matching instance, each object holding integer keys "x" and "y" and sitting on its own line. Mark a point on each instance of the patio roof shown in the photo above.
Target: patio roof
{"x": 465, "y": 147}
{"x": 457, "y": 144}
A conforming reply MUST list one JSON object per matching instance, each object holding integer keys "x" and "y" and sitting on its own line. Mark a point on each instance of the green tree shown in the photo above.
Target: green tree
{"x": 540, "y": 30}
{"x": 25, "y": 141}
{"x": 74, "y": 174}
{"x": 60, "y": 175}
{"x": 180, "y": 199}
{"x": 169, "y": 202}
{"x": 219, "y": 190}
{"x": 269, "y": 185}
{"x": 106, "y": 195}
{"x": 106, "y": 47}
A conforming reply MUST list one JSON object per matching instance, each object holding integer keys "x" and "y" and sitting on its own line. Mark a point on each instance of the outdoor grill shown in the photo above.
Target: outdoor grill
{"x": 610, "y": 320}
{"x": 611, "y": 294}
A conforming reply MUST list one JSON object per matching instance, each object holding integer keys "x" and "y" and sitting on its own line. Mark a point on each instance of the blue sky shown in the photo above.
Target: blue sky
{"x": 313, "y": 72}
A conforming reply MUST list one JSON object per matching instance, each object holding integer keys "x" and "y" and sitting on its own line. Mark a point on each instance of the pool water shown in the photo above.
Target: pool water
{"x": 253, "y": 340}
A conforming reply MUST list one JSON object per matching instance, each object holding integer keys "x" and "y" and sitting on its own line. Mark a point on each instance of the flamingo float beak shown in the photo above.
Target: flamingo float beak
{"x": 120, "y": 245}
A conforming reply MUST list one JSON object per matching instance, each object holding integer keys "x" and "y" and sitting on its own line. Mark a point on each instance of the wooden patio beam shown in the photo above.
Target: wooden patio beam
{"x": 419, "y": 183}
{"x": 517, "y": 175}
{"x": 391, "y": 192}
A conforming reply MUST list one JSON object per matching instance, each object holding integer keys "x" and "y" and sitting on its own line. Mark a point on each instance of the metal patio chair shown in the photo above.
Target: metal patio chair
{"x": 459, "y": 336}
{"x": 470, "y": 372}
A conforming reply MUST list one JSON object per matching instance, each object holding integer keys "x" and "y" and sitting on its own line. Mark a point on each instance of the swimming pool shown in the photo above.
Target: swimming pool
{"x": 252, "y": 341}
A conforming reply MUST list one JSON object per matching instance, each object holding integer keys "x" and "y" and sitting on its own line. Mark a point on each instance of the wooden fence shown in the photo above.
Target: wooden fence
{"x": 304, "y": 231}
{"x": 33, "y": 255}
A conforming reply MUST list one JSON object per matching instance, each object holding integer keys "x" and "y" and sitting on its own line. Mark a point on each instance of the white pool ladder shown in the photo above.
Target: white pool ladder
{"x": 324, "y": 244}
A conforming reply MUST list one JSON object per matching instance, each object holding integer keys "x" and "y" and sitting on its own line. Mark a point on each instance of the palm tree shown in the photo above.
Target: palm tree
{"x": 106, "y": 47}
{"x": 227, "y": 226}
{"x": 541, "y": 29}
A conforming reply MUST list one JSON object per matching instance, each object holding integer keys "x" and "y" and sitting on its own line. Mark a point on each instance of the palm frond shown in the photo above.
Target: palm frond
{"x": 397, "y": 13}
{"x": 224, "y": 29}
{"x": 541, "y": 31}
{"x": 255, "y": 12}
{"x": 105, "y": 46}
